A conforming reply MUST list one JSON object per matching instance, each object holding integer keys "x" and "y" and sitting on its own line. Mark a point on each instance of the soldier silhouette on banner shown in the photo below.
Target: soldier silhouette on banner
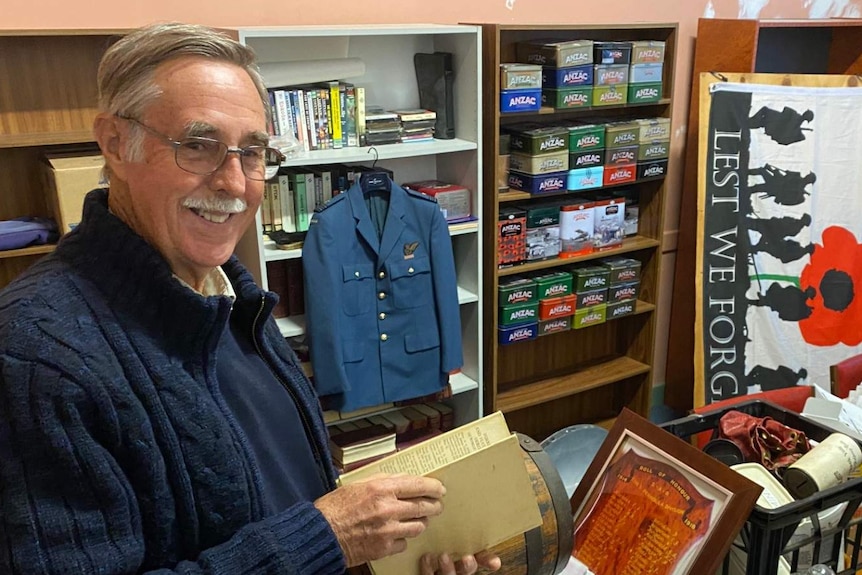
{"x": 784, "y": 127}
{"x": 780, "y": 377}
{"x": 790, "y": 302}
{"x": 782, "y": 249}
{"x": 786, "y": 187}
{"x": 779, "y": 228}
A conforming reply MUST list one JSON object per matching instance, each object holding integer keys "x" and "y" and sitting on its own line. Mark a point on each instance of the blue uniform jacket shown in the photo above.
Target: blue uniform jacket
{"x": 382, "y": 314}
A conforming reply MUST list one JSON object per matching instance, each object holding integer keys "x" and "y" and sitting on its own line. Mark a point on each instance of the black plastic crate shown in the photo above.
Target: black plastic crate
{"x": 766, "y": 534}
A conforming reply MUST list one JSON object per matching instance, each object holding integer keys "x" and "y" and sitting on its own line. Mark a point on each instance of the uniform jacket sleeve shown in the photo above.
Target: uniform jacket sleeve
{"x": 446, "y": 294}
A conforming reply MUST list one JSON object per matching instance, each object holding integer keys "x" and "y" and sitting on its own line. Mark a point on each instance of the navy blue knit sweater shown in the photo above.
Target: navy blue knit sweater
{"x": 117, "y": 452}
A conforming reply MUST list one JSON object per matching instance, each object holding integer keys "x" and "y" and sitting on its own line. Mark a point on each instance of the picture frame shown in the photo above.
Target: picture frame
{"x": 650, "y": 502}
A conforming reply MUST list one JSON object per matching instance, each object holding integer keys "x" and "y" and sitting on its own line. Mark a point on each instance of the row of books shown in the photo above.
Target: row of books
{"x": 291, "y": 197}
{"x": 334, "y": 115}
{"x": 361, "y": 441}
{"x": 284, "y": 277}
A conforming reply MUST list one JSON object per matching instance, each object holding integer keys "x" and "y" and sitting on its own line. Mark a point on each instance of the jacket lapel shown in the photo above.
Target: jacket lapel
{"x": 394, "y": 223}
{"x": 364, "y": 226}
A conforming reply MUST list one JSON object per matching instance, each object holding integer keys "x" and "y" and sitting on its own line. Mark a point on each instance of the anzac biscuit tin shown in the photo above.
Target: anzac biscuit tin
{"x": 647, "y": 51}
{"x": 607, "y": 74}
{"x": 519, "y": 313}
{"x": 552, "y": 285}
{"x": 586, "y": 137}
{"x": 520, "y": 101}
{"x": 576, "y": 228}
{"x": 612, "y": 52}
{"x": 520, "y": 76}
{"x": 620, "y": 156}
{"x": 543, "y": 231}
{"x": 646, "y": 74}
{"x": 568, "y": 98}
{"x": 589, "y": 278}
{"x": 650, "y": 170}
{"x": 542, "y": 184}
{"x": 609, "y": 223}
{"x": 622, "y": 292}
{"x": 588, "y": 159}
{"x": 556, "y": 53}
{"x": 542, "y": 164}
{"x": 622, "y": 270}
{"x": 614, "y": 175}
{"x": 585, "y": 179}
{"x": 567, "y": 77}
{"x": 620, "y": 309}
{"x": 514, "y": 290}
{"x": 589, "y": 316}
{"x": 615, "y": 95}
{"x": 536, "y": 139}
{"x": 511, "y": 236}
{"x": 555, "y": 325}
{"x": 654, "y": 129}
{"x": 651, "y": 151}
{"x": 517, "y": 333}
{"x": 556, "y": 307}
{"x": 591, "y": 298}
{"x": 618, "y": 134}
{"x": 644, "y": 93}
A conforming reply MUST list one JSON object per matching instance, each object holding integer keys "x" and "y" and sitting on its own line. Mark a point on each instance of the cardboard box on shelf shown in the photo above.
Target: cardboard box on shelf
{"x": 68, "y": 178}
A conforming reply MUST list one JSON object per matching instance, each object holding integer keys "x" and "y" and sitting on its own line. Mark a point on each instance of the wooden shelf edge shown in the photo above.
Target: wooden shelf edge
{"x": 598, "y": 375}
{"x": 631, "y": 244}
{"x": 31, "y": 251}
{"x": 46, "y": 139}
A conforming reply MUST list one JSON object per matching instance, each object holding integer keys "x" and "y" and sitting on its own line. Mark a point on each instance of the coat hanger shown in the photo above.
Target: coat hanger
{"x": 374, "y": 180}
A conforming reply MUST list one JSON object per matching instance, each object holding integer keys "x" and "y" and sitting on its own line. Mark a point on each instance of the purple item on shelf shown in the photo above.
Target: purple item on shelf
{"x": 26, "y": 231}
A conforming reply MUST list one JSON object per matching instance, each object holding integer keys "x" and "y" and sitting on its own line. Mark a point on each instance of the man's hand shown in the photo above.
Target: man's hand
{"x": 374, "y": 518}
{"x": 467, "y": 565}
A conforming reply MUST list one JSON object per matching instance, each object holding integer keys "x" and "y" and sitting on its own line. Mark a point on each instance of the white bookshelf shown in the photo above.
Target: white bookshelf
{"x": 388, "y": 76}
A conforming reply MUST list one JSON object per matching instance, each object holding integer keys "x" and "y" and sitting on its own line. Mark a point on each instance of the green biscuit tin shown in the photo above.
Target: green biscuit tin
{"x": 537, "y": 139}
{"x": 644, "y": 93}
{"x": 526, "y": 312}
{"x": 620, "y": 134}
{"x": 647, "y": 51}
{"x": 590, "y": 316}
{"x": 648, "y": 151}
{"x": 568, "y": 98}
{"x": 615, "y": 95}
{"x": 514, "y": 76}
{"x": 555, "y": 284}
{"x": 517, "y": 290}
{"x": 652, "y": 129}
{"x": 556, "y": 53}
{"x": 622, "y": 270}
{"x": 588, "y": 278}
{"x": 586, "y": 137}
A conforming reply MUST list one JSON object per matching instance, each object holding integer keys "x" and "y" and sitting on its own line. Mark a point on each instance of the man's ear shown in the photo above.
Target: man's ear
{"x": 110, "y": 136}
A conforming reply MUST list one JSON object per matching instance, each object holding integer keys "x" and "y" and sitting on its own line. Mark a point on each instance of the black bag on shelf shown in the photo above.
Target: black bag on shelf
{"x": 434, "y": 76}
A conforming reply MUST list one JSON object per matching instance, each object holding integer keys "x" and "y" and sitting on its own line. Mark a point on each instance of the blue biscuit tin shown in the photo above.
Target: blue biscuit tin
{"x": 643, "y": 74}
{"x": 585, "y": 179}
{"x": 542, "y": 184}
{"x": 516, "y": 333}
{"x": 520, "y": 101}
{"x": 567, "y": 77}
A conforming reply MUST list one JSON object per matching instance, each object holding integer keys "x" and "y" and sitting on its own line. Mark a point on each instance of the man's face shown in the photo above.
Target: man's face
{"x": 155, "y": 196}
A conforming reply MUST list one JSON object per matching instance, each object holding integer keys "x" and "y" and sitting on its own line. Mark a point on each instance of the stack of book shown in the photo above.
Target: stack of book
{"x": 353, "y": 445}
{"x": 417, "y": 125}
{"x": 381, "y": 127}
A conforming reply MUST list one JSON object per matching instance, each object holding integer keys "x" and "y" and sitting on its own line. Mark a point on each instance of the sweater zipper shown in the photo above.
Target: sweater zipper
{"x": 299, "y": 408}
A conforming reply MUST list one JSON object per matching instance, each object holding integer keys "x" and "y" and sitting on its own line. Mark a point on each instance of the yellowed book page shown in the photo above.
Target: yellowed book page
{"x": 489, "y": 498}
{"x": 438, "y": 451}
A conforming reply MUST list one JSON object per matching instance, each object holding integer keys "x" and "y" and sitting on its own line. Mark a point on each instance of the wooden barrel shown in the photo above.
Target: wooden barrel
{"x": 544, "y": 550}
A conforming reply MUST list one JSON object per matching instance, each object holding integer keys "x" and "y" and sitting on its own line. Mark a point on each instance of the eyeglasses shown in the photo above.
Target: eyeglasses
{"x": 203, "y": 156}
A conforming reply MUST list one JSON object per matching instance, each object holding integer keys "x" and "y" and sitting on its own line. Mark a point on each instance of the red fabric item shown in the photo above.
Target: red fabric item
{"x": 846, "y": 375}
{"x": 763, "y": 440}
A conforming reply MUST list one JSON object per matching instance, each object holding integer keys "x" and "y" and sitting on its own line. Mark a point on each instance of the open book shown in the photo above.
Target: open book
{"x": 489, "y": 495}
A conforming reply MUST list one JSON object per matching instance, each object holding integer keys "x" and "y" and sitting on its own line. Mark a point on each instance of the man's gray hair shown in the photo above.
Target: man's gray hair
{"x": 127, "y": 70}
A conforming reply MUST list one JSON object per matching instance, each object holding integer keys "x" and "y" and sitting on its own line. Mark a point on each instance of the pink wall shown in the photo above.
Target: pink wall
{"x": 48, "y": 14}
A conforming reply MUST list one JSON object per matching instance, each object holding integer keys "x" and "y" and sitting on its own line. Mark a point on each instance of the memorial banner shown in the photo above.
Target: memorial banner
{"x": 779, "y": 292}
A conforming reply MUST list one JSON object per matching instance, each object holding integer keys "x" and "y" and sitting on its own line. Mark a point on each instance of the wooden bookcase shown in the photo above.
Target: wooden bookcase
{"x": 586, "y": 375}
{"x": 768, "y": 46}
{"x": 47, "y": 100}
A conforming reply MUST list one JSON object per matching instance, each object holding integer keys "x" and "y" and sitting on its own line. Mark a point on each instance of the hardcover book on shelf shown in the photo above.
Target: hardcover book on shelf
{"x": 361, "y": 443}
{"x": 489, "y": 495}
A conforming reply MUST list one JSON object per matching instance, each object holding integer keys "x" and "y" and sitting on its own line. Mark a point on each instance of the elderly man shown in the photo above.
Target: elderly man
{"x": 152, "y": 418}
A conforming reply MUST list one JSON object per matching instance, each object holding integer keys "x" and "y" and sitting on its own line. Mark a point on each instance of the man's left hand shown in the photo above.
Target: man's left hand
{"x": 468, "y": 564}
